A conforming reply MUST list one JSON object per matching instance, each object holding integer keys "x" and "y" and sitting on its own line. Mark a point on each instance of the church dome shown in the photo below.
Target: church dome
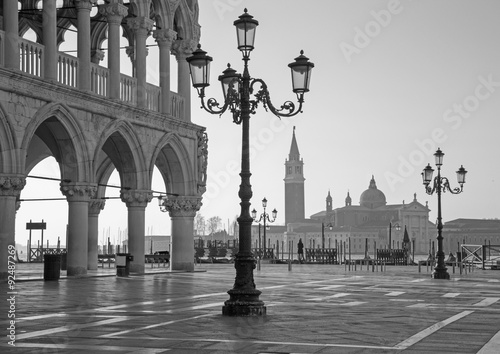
{"x": 372, "y": 197}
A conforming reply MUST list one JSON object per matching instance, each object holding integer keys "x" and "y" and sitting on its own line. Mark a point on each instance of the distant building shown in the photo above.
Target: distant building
{"x": 294, "y": 185}
{"x": 356, "y": 224}
{"x": 470, "y": 231}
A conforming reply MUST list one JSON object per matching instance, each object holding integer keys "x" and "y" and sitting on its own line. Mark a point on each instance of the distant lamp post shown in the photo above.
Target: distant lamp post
{"x": 330, "y": 227}
{"x": 397, "y": 227}
{"x": 441, "y": 184}
{"x": 237, "y": 88}
{"x": 264, "y": 217}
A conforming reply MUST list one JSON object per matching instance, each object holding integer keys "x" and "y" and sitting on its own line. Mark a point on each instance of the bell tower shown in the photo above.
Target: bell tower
{"x": 294, "y": 185}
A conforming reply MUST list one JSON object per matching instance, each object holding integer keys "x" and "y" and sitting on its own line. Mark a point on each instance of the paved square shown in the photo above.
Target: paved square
{"x": 310, "y": 309}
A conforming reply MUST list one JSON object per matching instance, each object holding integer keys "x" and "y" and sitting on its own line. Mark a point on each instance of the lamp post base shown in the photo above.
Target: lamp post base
{"x": 440, "y": 273}
{"x": 244, "y": 298}
{"x": 243, "y": 303}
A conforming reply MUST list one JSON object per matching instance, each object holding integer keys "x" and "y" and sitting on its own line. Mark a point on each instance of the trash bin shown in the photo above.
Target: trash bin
{"x": 51, "y": 266}
{"x": 122, "y": 262}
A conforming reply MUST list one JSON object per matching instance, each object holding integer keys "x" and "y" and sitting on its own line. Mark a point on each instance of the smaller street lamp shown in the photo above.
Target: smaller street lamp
{"x": 441, "y": 184}
{"x": 397, "y": 227}
{"x": 265, "y": 217}
{"x": 330, "y": 227}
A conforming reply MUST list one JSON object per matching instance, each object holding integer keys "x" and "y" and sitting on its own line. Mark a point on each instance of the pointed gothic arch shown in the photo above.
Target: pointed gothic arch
{"x": 8, "y": 144}
{"x": 121, "y": 145}
{"x": 174, "y": 163}
{"x": 62, "y": 134}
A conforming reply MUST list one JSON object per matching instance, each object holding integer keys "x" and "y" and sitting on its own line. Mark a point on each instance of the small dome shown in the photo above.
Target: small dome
{"x": 372, "y": 197}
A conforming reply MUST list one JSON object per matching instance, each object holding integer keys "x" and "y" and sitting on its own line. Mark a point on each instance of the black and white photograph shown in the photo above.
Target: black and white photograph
{"x": 250, "y": 176}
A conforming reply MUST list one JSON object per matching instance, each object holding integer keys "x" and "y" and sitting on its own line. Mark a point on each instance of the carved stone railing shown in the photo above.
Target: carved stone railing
{"x": 67, "y": 69}
{"x": 99, "y": 79}
{"x": 176, "y": 105}
{"x": 31, "y": 57}
{"x": 153, "y": 97}
{"x": 32, "y": 63}
{"x": 128, "y": 89}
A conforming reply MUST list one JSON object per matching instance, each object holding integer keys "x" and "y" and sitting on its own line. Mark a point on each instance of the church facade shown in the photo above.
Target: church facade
{"x": 373, "y": 224}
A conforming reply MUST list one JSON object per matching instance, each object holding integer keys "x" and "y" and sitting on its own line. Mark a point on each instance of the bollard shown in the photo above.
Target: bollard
{"x": 289, "y": 266}
{"x": 258, "y": 263}
{"x": 373, "y": 266}
{"x": 453, "y": 267}
{"x": 419, "y": 267}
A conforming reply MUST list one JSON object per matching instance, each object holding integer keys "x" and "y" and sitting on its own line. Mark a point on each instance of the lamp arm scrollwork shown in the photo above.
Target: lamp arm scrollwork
{"x": 446, "y": 186}
{"x": 287, "y": 109}
{"x": 211, "y": 103}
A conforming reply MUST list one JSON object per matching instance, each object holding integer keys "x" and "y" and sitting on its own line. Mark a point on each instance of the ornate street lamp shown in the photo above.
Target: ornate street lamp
{"x": 397, "y": 227}
{"x": 441, "y": 184}
{"x": 237, "y": 88}
{"x": 264, "y": 217}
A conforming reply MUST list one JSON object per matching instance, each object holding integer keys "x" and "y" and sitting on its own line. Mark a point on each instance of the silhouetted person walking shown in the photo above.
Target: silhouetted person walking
{"x": 300, "y": 251}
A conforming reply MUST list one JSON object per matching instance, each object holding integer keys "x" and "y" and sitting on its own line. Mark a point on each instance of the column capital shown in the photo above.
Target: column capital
{"x": 182, "y": 48}
{"x": 182, "y": 205}
{"x": 96, "y": 205}
{"x": 113, "y": 12}
{"x": 11, "y": 185}
{"x": 136, "y": 197}
{"x": 165, "y": 36}
{"x": 140, "y": 24}
{"x": 79, "y": 191}
{"x": 84, "y": 4}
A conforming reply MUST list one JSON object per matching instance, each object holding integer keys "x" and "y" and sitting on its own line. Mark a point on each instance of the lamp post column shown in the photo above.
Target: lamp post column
{"x": 390, "y": 235}
{"x": 440, "y": 271}
{"x": 244, "y": 297}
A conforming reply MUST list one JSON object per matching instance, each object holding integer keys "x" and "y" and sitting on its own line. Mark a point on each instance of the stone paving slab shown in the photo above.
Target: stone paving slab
{"x": 310, "y": 309}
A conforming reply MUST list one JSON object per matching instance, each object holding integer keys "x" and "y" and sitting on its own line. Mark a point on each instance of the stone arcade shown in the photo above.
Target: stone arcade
{"x": 94, "y": 119}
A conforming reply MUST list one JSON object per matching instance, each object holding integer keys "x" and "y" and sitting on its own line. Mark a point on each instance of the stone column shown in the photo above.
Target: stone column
{"x": 136, "y": 201}
{"x": 165, "y": 38}
{"x": 11, "y": 26}
{"x": 10, "y": 189}
{"x": 182, "y": 211}
{"x": 183, "y": 49}
{"x": 95, "y": 207}
{"x": 49, "y": 24}
{"x": 83, "y": 8}
{"x": 141, "y": 27}
{"x": 78, "y": 196}
{"x": 114, "y": 14}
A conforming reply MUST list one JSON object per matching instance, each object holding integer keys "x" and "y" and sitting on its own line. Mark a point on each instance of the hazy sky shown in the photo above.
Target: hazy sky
{"x": 393, "y": 81}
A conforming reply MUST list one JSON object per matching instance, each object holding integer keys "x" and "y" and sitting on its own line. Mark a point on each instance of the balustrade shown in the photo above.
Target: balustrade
{"x": 32, "y": 59}
{"x": 67, "y": 69}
